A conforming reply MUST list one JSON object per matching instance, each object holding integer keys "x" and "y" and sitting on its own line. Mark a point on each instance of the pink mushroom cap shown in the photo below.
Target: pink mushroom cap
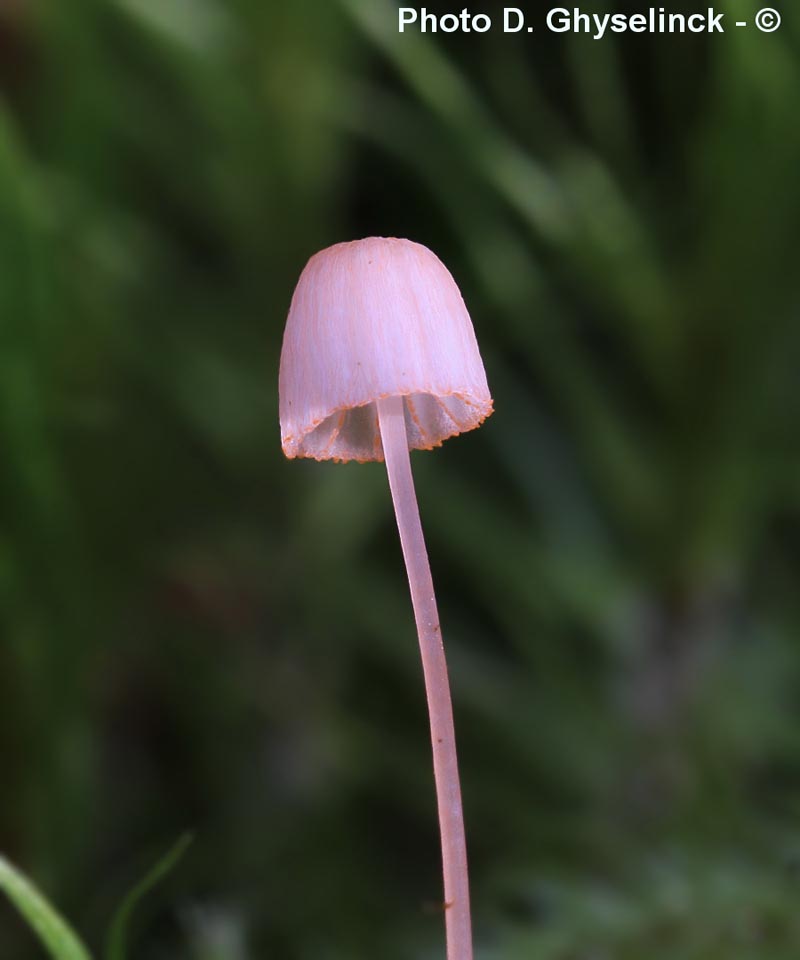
{"x": 370, "y": 319}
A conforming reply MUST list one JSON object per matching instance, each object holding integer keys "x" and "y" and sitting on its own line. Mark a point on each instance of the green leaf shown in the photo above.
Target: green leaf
{"x": 116, "y": 942}
{"x": 59, "y": 940}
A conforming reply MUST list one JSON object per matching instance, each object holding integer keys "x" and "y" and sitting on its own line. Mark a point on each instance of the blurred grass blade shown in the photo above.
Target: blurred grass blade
{"x": 116, "y": 942}
{"x": 59, "y": 940}
{"x": 525, "y": 183}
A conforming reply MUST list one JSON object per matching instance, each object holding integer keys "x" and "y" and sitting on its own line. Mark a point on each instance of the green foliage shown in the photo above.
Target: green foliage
{"x": 195, "y": 630}
{"x": 679, "y": 908}
{"x": 60, "y": 941}
{"x": 117, "y": 939}
{"x": 56, "y": 936}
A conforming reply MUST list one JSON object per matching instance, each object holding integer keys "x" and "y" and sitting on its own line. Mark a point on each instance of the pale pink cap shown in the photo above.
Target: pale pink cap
{"x": 370, "y": 319}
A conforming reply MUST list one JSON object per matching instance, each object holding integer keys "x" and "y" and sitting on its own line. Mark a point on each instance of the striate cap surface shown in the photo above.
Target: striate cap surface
{"x": 370, "y": 319}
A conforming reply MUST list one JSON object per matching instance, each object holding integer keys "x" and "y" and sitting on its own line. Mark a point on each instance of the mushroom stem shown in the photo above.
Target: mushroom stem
{"x": 445, "y": 765}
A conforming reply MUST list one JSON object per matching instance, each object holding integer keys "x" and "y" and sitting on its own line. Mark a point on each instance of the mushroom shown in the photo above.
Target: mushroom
{"x": 379, "y": 357}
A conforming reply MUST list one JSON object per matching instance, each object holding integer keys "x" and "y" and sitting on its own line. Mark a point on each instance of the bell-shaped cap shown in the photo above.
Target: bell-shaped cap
{"x": 371, "y": 319}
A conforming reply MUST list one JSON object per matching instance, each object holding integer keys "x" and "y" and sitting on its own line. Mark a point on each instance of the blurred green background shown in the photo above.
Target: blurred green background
{"x": 198, "y": 634}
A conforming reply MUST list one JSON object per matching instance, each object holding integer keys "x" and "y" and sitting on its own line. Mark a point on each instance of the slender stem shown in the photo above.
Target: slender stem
{"x": 445, "y": 764}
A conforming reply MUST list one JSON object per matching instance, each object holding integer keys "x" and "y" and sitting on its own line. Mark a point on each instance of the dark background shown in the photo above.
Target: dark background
{"x": 198, "y": 634}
